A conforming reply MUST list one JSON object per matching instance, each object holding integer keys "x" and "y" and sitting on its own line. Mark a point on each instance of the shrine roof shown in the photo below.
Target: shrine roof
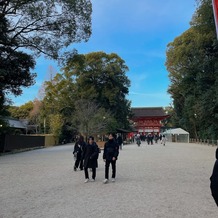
{"x": 14, "y": 123}
{"x": 148, "y": 112}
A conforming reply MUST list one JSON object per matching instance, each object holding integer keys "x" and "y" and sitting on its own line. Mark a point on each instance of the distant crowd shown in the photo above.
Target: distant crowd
{"x": 150, "y": 138}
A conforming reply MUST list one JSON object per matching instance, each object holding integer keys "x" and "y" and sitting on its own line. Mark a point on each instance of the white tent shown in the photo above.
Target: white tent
{"x": 177, "y": 135}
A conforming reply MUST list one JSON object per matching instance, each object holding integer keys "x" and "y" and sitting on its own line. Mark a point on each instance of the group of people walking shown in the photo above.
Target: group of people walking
{"x": 87, "y": 154}
{"x": 149, "y": 138}
{"x": 87, "y": 158}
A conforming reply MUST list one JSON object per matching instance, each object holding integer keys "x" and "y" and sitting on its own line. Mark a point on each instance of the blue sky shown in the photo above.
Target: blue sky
{"x": 138, "y": 31}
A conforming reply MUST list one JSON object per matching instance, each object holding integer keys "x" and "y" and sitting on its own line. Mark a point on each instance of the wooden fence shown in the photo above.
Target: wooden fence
{"x": 205, "y": 141}
{"x": 20, "y": 142}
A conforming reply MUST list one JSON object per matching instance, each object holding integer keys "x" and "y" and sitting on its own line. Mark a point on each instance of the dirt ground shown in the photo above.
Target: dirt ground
{"x": 152, "y": 181}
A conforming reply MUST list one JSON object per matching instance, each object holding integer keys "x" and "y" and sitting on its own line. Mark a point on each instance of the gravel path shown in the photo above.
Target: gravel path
{"x": 153, "y": 181}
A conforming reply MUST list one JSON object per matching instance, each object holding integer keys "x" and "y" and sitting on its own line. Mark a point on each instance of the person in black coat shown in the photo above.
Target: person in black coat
{"x": 90, "y": 155}
{"x": 111, "y": 152}
{"x": 214, "y": 180}
{"x": 78, "y": 153}
{"x": 120, "y": 141}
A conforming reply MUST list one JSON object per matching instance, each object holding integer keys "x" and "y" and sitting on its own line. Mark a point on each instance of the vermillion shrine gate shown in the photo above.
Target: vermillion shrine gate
{"x": 148, "y": 119}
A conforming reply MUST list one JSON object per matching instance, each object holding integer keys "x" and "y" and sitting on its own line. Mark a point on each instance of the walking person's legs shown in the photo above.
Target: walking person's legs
{"x": 81, "y": 164}
{"x": 113, "y": 163}
{"x": 93, "y": 173}
{"x": 76, "y": 164}
{"x": 107, "y": 164}
{"x": 86, "y": 175}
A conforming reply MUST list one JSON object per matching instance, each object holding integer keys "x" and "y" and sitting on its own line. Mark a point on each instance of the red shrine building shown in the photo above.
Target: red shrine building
{"x": 148, "y": 119}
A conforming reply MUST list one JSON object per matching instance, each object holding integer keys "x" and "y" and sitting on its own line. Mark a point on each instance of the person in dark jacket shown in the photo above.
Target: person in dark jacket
{"x": 120, "y": 141}
{"x": 111, "y": 152}
{"x": 90, "y": 155}
{"x": 78, "y": 153}
{"x": 214, "y": 180}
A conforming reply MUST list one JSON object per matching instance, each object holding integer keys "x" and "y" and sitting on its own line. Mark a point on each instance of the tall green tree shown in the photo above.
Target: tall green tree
{"x": 56, "y": 123}
{"x": 44, "y": 26}
{"x": 192, "y": 60}
{"x": 170, "y": 121}
{"x": 15, "y": 65}
{"x": 59, "y": 98}
{"x": 96, "y": 77}
{"x": 102, "y": 78}
{"x": 37, "y": 27}
{"x": 21, "y": 112}
{"x": 60, "y": 95}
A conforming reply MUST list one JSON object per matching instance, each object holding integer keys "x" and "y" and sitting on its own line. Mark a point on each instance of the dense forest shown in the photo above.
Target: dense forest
{"x": 192, "y": 63}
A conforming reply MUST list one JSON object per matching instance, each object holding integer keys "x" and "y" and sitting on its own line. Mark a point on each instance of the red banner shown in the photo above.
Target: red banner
{"x": 215, "y": 12}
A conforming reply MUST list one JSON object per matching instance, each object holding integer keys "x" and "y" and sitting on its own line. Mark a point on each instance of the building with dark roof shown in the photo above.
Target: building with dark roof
{"x": 14, "y": 123}
{"x": 21, "y": 124}
{"x": 148, "y": 119}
